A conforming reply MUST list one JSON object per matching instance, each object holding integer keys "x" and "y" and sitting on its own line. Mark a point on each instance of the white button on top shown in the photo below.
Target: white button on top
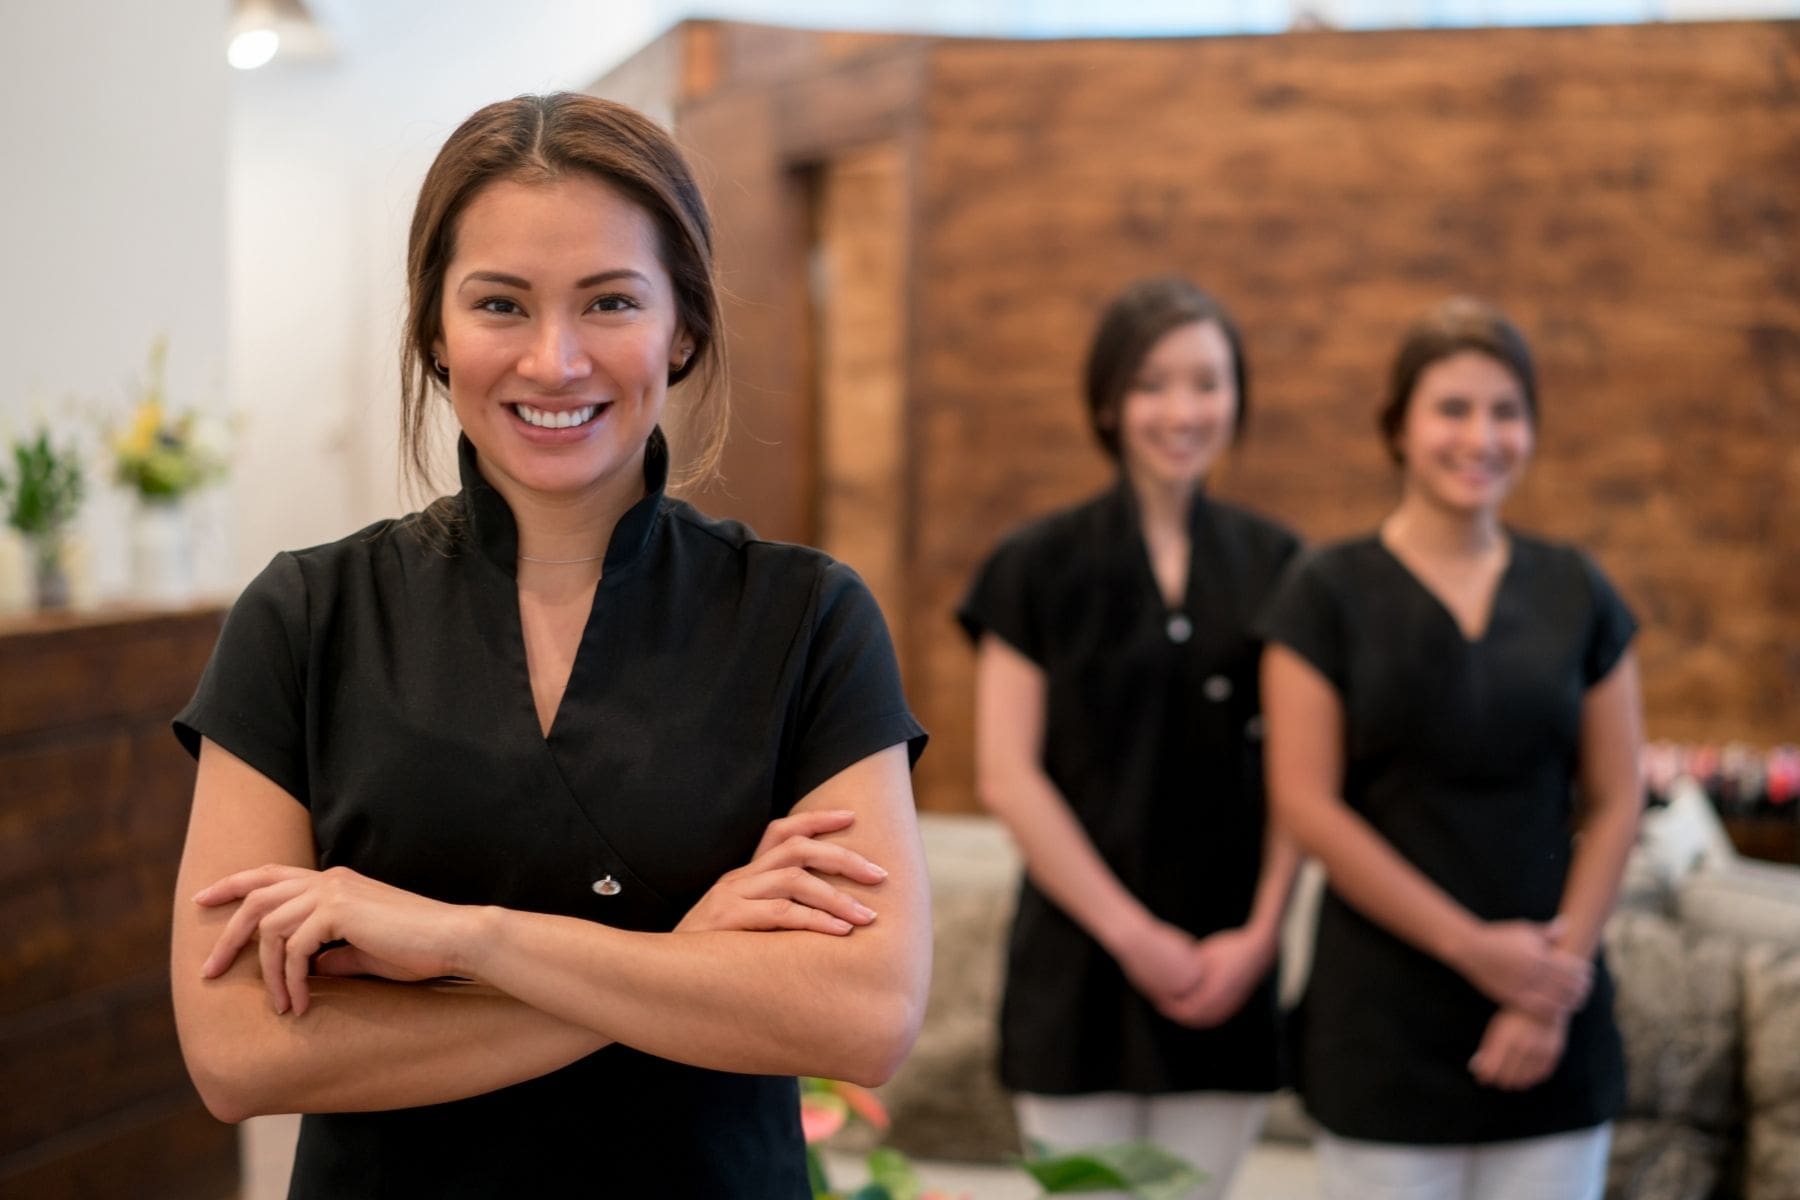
{"x": 1217, "y": 688}
{"x": 1179, "y": 628}
{"x": 607, "y": 886}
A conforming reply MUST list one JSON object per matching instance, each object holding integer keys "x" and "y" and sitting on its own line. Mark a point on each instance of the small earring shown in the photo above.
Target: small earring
{"x": 438, "y": 368}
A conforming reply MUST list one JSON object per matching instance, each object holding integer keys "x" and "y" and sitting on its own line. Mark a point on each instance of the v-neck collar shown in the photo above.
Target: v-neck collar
{"x": 1493, "y": 605}
{"x": 496, "y": 534}
{"x": 1132, "y": 537}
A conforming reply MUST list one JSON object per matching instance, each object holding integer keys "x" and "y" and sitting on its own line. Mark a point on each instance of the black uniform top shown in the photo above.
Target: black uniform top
{"x": 720, "y": 678}
{"x": 1462, "y": 754}
{"x": 1152, "y": 734}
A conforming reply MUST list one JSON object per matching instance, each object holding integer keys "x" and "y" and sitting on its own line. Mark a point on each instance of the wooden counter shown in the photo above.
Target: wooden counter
{"x": 94, "y": 797}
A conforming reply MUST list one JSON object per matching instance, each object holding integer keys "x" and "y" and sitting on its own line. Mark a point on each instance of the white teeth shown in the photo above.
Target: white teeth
{"x": 556, "y": 420}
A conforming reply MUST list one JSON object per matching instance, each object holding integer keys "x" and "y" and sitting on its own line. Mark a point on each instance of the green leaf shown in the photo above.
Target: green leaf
{"x": 870, "y": 1191}
{"x": 815, "y": 1175}
{"x": 1143, "y": 1169}
{"x": 893, "y": 1171}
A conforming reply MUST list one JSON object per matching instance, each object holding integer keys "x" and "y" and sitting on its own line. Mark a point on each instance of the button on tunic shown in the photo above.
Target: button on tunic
{"x": 1151, "y": 736}
{"x": 382, "y": 682}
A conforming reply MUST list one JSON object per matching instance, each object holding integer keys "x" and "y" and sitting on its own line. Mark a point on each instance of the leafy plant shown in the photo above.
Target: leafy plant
{"x": 162, "y": 455}
{"x": 1141, "y": 1169}
{"x": 44, "y": 487}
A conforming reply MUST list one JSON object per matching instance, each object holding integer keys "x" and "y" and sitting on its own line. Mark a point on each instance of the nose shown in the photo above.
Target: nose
{"x": 555, "y": 356}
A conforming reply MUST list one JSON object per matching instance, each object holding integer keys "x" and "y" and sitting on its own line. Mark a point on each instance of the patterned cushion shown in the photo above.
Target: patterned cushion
{"x": 1679, "y": 1004}
{"x": 1655, "y": 1159}
{"x": 1772, "y": 1071}
{"x": 946, "y": 1101}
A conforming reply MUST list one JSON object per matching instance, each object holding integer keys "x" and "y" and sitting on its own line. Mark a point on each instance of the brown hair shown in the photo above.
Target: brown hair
{"x": 541, "y": 139}
{"x": 1132, "y": 324}
{"x": 1458, "y": 324}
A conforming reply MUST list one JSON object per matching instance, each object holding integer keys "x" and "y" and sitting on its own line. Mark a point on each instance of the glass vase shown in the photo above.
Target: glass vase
{"x": 162, "y": 553}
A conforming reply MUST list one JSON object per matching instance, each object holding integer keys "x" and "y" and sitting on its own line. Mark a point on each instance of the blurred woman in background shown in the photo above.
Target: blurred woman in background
{"x": 1448, "y": 700}
{"x": 1118, "y": 737}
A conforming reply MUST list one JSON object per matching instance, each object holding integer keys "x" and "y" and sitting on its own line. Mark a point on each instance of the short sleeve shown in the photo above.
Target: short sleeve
{"x": 1000, "y": 601}
{"x": 1611, "y": 626}
{"x": 851, "y": 704}
{"x": 251, "y": 697}
{"x": 1304, "y": 615}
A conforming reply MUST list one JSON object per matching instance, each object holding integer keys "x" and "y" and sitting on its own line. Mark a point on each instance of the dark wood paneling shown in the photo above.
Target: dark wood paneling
{"x": 94, "y": 795}
{"x": 169, "y": 1149}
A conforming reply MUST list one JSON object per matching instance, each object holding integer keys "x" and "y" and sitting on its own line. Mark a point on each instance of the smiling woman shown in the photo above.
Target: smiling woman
{"x": 538, "y": 838}
{"x": 1439, "y": 695}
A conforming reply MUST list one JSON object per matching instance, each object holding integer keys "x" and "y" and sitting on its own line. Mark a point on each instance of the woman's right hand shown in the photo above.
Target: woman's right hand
{"x": 781, "y": 887}
{"x": 1161, "y": 962}
{"x": 1519, "y": 965}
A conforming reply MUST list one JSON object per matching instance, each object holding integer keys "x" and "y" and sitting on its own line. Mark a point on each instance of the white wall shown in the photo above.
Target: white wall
{"x": 112, "y": 217}
{"x": 326, "y": 158}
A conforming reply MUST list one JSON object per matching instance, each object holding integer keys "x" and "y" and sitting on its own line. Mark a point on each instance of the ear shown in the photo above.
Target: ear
{"x": 681, "y": 353}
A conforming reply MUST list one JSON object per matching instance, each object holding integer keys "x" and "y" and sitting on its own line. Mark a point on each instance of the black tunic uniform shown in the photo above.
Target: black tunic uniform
{"x": 1152, "y": 734}
{"x": 1462, "y": 754}
{"x": 720, "y": 678}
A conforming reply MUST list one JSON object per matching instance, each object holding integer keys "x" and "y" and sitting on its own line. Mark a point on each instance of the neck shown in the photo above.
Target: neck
{"x": 565, "y": 526}
{"x": 1434, "y": 529}
{"x": 1163, "y": 508}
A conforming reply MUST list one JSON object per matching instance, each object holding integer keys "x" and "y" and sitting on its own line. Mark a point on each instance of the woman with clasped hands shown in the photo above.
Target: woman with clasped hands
{"x": 539, "y": 838}
{"x": 1447, "y": 699}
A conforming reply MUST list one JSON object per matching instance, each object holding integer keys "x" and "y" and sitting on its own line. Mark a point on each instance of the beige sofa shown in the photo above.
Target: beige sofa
{"x": 1705, "y": 948}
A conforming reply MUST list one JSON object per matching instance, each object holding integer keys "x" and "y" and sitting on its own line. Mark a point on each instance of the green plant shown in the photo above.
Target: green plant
{"x": 162, "y": 455}
{"x": 44, "y": 488}
{"x": 1141, "y": 1169}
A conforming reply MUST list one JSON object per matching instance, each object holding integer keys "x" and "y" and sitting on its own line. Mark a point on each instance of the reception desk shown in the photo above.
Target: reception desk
{"x": 94, "y": 790}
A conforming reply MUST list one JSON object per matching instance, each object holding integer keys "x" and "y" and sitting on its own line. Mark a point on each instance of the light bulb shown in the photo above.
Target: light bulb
{"x": 252, "y": 48}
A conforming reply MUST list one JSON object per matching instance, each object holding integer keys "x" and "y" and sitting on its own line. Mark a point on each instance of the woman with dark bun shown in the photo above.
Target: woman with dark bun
{"x": 1453, "y": 727}
{"x": 538, "y": 838}
{"x": 1118, "y": 737}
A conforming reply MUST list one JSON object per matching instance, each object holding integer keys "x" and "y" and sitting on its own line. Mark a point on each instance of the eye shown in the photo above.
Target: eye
{"x": 1147, "y": 383}
{"x": 503, "y": 306}
{"x": 1453, "y": 406}
{"x": 1511, "y": 408}
{"x": 614, "y": 302}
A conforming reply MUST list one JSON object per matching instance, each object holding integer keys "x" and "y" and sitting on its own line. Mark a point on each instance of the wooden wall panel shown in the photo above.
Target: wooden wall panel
{"x": 859, "y": 281}
{"x": 1631, "y": 195}
{"x": 94, "y": 795}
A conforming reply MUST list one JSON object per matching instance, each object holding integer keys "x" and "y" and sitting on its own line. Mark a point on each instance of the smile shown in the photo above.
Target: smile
{"x": 545, "y": 419}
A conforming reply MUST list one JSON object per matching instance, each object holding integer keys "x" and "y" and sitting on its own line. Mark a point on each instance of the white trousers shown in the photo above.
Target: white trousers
{"x": 1211, "y": 1130}
{"x": 1562, "y": 1166}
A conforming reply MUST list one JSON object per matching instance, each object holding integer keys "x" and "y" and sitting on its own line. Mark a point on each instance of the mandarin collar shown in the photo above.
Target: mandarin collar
{"x": 496, "y": 534}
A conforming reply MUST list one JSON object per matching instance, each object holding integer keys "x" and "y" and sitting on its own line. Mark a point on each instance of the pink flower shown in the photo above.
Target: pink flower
{"x": 821, "y": 1115}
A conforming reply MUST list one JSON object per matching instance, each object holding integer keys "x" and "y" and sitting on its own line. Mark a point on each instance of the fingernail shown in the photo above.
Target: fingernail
{"x": 879, "y": 870}
{"x": 200, "y": 896}
{"x": 840, "y": 926}
{"x": 865, "y": 912}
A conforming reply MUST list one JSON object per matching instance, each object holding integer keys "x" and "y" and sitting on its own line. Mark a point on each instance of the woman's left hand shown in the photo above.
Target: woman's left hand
{"x": 1519, "y": 1051}
{"x": 1233, "y": 962}
{"x": 291, "y": 912}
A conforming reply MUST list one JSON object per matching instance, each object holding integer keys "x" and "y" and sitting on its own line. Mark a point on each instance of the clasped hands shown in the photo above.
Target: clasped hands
{"x": 1522, "y": 967}
{"x": 292, "y": 913}
{"x": 1197, "y": 982}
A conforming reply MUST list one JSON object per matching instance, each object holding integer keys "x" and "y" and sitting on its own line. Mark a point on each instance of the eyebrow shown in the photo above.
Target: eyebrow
{"x": 524, "y": 285}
